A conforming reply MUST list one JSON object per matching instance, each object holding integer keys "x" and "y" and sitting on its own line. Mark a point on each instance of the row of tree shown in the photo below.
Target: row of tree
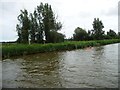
{"x": 39, "y": 27}
{"x": 42, "y": 26}
{"x": 96, "y": 33}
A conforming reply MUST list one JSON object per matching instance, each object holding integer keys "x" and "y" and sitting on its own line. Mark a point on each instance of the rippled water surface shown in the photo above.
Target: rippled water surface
{"x": 83, "y": 68}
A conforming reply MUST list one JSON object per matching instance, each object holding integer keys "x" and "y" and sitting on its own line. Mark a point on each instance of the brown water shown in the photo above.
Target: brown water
{"x": 83, "y": 68}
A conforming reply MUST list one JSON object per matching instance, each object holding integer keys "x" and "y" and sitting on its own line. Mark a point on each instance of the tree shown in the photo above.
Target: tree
{"x": 56, "y": 37}
{"x": 80, "y": 34}
{"x": 90, "y": 35}
{"x": 32, "y": 28}
{"x": 40, "y": 30}
{"x": 111, "y": 34}
{"x": 49, "y": 21}
{"x": 36, "y": 31}
{"x": 97, "y": 29}
{"x": 23, "y": 27}
{"x": 18, "y": 29}
{"x": 118, "y": 35}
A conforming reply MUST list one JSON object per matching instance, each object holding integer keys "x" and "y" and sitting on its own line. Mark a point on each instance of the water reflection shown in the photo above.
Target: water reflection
{"x": 39, "y": 70}
{"x": 83, "y": 68}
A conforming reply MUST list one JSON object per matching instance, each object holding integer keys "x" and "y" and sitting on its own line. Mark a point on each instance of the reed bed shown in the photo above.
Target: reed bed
{"x": 9, "y": 50}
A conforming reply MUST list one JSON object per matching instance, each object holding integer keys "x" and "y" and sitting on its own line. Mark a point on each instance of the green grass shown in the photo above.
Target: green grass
{"x": 9, "y": 50}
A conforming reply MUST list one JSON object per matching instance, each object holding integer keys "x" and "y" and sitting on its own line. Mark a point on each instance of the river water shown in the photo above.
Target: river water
{"x": 95, "y": 67}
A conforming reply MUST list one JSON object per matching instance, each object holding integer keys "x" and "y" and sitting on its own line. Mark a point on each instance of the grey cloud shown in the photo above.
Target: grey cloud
{"x": 84, "y": 14}
{"x": 111, "y": 12}
{"x": 8, "y": 6}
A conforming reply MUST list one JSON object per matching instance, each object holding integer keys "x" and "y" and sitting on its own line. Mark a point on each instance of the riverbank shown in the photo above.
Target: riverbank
{"x": 9, "y": 50}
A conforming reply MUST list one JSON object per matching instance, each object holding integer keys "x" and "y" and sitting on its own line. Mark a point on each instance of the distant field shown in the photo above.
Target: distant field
{"x": 15, "y": 49}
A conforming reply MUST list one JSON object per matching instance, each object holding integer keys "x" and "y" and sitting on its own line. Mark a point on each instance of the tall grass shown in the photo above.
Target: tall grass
{"x": 24, "y": 49}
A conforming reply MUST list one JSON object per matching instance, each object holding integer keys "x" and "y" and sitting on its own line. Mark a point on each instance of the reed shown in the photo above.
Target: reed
{"x": 9, "y": 50}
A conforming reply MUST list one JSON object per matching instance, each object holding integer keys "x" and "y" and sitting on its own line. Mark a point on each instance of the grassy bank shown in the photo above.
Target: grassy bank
{"x": 23, "y": 49}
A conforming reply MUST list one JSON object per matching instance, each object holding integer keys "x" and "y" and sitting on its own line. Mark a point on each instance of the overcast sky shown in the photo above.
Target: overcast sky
{"x": 72, "y": 13}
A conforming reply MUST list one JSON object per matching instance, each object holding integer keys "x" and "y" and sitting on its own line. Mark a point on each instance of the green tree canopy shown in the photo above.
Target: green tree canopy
{"x": 111, "y": 34}
{"x": 80, "y": 34}
{"x": 23, "y": 27}
{"x": 98, "y": 29}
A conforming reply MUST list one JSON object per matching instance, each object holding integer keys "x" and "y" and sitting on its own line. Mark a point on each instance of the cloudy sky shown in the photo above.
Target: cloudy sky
{"x": 72, "y": 13}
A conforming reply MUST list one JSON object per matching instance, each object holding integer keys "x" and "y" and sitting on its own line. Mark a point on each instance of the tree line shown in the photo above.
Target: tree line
{"x": 97, "y": 33}
{"x": 42, "y": 26}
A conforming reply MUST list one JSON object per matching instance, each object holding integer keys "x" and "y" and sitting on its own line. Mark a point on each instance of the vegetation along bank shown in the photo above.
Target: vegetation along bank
{"x": 9, "y": 50}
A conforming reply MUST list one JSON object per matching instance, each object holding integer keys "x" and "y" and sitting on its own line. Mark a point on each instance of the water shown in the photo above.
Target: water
{"x": 95, "y": 67}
